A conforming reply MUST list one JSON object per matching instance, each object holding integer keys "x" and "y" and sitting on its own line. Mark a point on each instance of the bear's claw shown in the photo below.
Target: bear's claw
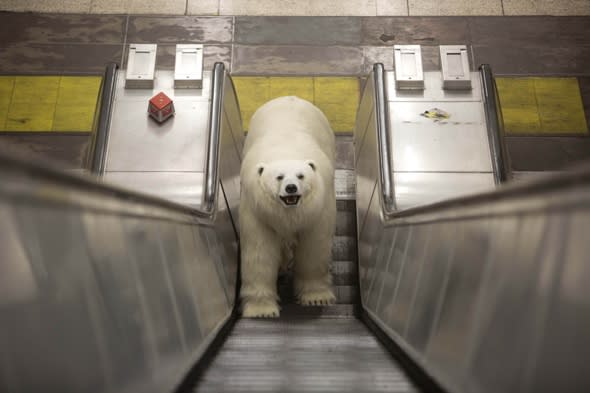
{"x": 317, "y": 298}
{"x": 261, "y": 309}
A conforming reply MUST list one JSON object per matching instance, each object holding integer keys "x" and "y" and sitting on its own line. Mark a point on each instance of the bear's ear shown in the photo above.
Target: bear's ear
{"x": 260, "y": 168}
{"x": 311, "y": 163}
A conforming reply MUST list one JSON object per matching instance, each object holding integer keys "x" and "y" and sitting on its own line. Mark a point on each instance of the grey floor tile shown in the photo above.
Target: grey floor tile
{"x": 24, "y": 28}
{"x": 530, "y": 31}
{"x": 419, "y": 30}
{"x": 537, "y": 153}
{"x": 202, "y": 7}
{"x": 161, "y": 7}
{"x": 302, "y": 352}
{"x": 531, "y": 60}
{"x": 392, "y": 7}
{"x": 297, "y": 60}
{"x": 455, "y": 7}
{"x": 301, "y": 8}
{"x": 58, "y": 58}
{"x": 62, "y": 6}
{"x": 179, "y": 29}
{"x": 293, "y": 30}
{"x": 64, "y": 149}
{"x": 377, "y": 54}
{"x": 546, "y": 7}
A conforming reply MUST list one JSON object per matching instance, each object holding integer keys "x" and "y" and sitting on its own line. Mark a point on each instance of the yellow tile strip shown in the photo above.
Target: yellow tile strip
{"x": 542, "y": 106}
{"x": 48, "y": 103}
{"x": 337, "y": 97}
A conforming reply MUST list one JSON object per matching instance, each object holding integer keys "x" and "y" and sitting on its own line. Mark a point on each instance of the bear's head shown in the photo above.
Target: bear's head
{"x": 289, "y": 182}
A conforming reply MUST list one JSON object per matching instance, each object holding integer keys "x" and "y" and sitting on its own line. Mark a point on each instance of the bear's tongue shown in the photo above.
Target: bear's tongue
{"x": 290, "y": 199}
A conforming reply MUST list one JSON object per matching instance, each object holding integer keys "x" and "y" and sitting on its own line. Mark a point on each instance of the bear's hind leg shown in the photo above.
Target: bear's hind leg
{"x": 313, "y": 281}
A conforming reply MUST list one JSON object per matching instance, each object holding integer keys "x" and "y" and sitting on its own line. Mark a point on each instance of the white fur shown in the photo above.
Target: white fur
{"x": 292, "y": 138}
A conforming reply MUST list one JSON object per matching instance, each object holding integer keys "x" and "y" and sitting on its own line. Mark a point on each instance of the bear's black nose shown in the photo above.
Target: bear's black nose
{"x": 291, "y": 188}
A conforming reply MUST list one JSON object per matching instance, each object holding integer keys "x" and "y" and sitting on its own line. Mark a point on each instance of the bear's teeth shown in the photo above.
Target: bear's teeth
{"x": 290, "y": 200}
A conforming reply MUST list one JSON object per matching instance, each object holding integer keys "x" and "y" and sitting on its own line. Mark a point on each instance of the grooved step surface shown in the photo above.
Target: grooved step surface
{"x": 303, "y": 354}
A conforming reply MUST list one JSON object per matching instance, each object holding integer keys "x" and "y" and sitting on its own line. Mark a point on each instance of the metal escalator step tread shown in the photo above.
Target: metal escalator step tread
{"x": 346, "y": 223}
{"x": 303, "y": 353}
{"x": 346, "y": 294}
{"x": 348, "y": 205}
{"x": 343, "y": 273}
{"x": 344, "y": 248}
{"x": 345, "y": 184}
{"x": 331, "y": 311}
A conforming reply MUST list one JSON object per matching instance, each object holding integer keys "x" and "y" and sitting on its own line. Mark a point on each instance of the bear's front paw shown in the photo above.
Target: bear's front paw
{"x": 260, "y": 309}
{"x": 317, "y": 298}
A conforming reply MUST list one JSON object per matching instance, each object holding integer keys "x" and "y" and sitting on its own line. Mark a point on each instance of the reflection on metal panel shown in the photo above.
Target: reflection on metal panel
{"x": 182, "y": 187}
{"x": 489, "y": 297}
{"x": 457, "y": 142}
{"x": 114, "y": 291}
{"x": 162, "y": 159}
{"x": 138, "y": 143}
{"x": 414, "y": 188}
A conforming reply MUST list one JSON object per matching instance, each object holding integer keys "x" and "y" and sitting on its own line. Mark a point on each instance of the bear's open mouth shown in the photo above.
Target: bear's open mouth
{"x": 290, "y": 200}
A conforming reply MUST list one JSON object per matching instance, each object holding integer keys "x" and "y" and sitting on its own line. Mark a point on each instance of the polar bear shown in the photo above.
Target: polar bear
{"x": 287, "y": 205}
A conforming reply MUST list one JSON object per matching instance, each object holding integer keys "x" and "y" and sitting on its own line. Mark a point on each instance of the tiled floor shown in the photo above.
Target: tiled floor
{"x": 542, "y": 105}
{"x": 47, "y": 103}
{"x": 305, "y": 7}
{"x": 298, "y": 46}
{"x": 52, "y": 43}
{"x": 279, "y": 46}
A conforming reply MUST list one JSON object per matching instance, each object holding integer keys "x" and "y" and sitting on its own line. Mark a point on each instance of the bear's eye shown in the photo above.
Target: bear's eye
{"x": 280, "y": 177}
{"x": 300, "y": 176}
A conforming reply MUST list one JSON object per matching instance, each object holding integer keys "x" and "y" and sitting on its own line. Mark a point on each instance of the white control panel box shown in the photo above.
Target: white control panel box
{"x": 141, "y": 66}
{"x": 188, "y": 67}
{"x": 409, "y": 74}
{"x": 454, "y": 62}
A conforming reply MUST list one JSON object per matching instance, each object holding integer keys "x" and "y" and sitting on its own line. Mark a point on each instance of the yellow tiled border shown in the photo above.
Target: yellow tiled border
{"x": 543, "y": 106}
{"x": 48, "y": 103}
{"x": 530, "y": 105}
{"x": 337, "y": 97}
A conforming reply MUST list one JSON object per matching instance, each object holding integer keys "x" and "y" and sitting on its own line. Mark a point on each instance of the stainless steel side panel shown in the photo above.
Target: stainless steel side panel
{"x": 457, "y": 144}
{"x": 488, "y": 298}
{"x": 101, "y": 292}
{"x": 487, "y": 293}
{"x": 414, "y": 188}
{"x": 138, "y": 143}
{"x": 142, "y": 153}
{"x": 181, "y": 187}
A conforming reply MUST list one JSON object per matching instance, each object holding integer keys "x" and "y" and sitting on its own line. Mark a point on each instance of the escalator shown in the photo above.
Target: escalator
{"x": 103, "y": 289}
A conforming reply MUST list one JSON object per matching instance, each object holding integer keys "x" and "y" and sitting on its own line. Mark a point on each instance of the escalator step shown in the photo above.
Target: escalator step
{"x": 303, "y": 355}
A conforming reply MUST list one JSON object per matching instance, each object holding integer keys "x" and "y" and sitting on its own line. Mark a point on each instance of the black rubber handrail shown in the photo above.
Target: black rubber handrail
{"x": 495, "y": 126}
{"x": 97, "y": 154}
{"x": 210, "y": 185}
{"x": 383, "y": 141}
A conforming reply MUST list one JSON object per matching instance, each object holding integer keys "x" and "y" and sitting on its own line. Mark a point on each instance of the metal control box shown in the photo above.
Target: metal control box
{"x": 141, "y": 66}
{"x": 409, "y": 74}
{"x": 454, "y": 62}
{"x": 188, "y": 68}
